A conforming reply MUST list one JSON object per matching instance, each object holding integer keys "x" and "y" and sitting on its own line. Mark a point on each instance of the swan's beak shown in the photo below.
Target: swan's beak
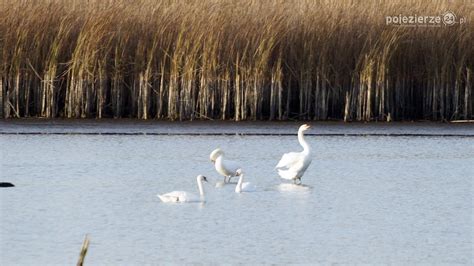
{"x": 204, "y": 178}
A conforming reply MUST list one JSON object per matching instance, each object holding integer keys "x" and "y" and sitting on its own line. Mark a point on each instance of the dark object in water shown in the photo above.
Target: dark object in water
{"x": 6, "y": 184}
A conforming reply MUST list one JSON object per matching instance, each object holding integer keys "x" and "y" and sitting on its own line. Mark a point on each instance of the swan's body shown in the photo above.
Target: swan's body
{"x": 224, "y": 167}
{"x": 179, "y": 196}
{"x": 292, "y": 165}
{"x": 183, "y": 196}
{"x": 244, "y": 186}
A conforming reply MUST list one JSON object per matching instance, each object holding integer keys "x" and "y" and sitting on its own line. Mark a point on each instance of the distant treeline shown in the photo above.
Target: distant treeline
{"x": 235, "y": 59}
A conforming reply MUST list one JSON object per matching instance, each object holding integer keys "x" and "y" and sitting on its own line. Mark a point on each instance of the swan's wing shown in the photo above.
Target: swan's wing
{"x": 290, "y": 159}
{"x": 289, "y": 174}
{"x": 175, "y": 196}
{"x": 230, "y": 167}
{"x": 296, "y": 168}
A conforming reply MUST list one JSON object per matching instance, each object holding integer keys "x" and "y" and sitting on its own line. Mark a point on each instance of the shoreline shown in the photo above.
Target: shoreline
{"x": 155, "y": 120}
{"x": 135, "y": 127}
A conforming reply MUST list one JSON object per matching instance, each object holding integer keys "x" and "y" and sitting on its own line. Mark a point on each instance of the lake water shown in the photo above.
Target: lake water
{"x": 371, "y": 198}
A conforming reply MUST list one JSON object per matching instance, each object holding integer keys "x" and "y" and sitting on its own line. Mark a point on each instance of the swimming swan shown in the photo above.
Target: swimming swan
{"x": 182, "y": 196}
{"x": 244, "y": 186}
{"x": 226, "y": 168}
{"x": 292, "y": 165}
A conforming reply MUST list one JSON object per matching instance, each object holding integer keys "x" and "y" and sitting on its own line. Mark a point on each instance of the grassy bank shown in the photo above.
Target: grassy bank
{"x": 239, "y": 60}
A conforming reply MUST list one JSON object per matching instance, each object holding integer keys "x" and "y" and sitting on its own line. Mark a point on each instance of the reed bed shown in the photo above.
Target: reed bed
{"x": 234, "y": 60}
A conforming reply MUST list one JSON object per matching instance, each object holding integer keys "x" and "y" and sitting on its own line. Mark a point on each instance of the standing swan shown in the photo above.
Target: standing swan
{"x": 244, "y": 186}
{"x": 226, "y": 168}
{"x": 292, "y": 165}
{"x": 182, "y": 196}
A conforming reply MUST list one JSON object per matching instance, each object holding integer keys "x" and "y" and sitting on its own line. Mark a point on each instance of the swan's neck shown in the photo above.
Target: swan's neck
{"x": 303, "y": 142}
{"x": 201, "y": 189}
{"x": 238, "y": 188}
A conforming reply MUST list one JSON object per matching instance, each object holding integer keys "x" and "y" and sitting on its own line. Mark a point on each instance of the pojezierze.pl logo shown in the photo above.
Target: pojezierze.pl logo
{"x": 447, "y": 18}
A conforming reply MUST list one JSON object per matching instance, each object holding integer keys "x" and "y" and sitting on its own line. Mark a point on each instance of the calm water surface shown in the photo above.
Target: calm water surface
{"x": 398, "y": 200}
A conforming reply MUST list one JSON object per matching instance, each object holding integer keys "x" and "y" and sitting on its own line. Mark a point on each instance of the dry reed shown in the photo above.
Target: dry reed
{"x": 229, "y": 59}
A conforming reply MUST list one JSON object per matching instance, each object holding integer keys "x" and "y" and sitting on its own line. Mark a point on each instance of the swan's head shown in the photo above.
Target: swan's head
{"x": 201, "y": 178}
{"x": 215, "y": 154}
{"x": 304, "y": 127}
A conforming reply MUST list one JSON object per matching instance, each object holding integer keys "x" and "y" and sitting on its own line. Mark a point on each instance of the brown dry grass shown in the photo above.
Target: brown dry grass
{"x": 229, "y": 59}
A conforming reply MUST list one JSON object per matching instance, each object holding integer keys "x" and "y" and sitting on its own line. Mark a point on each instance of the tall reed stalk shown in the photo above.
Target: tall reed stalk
{"x": 234, "y": 59}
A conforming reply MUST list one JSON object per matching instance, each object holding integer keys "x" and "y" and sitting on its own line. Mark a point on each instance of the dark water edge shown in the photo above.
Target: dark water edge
{"x": 245, "y": 128}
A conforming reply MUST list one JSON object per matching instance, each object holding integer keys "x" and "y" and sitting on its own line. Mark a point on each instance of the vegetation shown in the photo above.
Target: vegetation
{"x": 234, "y": 59}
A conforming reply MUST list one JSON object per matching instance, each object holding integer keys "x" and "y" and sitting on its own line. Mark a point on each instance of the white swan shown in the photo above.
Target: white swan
{"x": 226, "y": 168}
{"x": 182, "y": 196}
{"x": 244, "y": 186}
{"x": 292, "y": 165}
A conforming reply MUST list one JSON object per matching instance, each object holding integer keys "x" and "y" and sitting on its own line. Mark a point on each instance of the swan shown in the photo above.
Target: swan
{"x": 244, "y": 186}
{"x": 226, "y": 168}
{"x": 292, "y": 165}
{"x": 182, "y": 196}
